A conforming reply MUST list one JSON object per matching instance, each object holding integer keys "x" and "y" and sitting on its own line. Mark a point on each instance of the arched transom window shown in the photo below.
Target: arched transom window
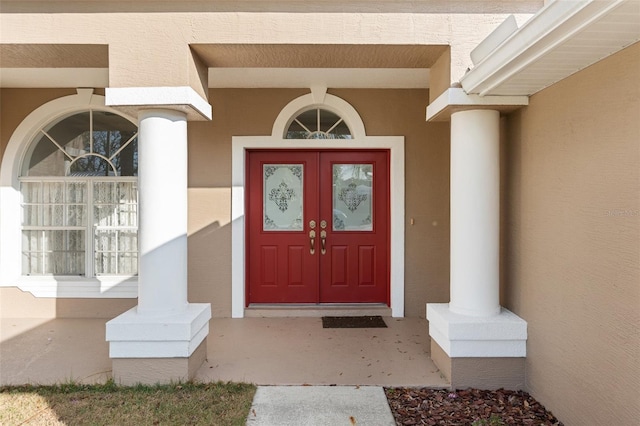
{"x": 318, "y": 123}
{"x": 80, "y": 197}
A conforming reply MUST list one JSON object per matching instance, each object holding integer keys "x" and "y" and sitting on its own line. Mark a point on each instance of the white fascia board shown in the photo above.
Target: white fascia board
{"x": 456, "y": 97}
{"x": 462, "y": 336}
{"x": 551, "y": 26}
{"x": 493, "y": 40}
{"x": 182, "y": 98}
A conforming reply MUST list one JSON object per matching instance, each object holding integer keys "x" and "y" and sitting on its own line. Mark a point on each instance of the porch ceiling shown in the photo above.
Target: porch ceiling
{"x": 318, "y": 55}
{"x": 234, "y": 65}
{"x": 54, "y": 65}
{"x": 54, "y": 56}
{"x": 305, "y": 65}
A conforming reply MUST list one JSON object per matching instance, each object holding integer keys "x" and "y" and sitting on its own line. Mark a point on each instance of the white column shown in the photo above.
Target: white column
{"x": 162, "y": 177}
{"x": 475, "y": 212}
{"x": 164, "y": 324}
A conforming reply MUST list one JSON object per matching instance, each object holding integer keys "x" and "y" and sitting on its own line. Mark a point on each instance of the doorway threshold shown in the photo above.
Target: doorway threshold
{"x": 260, "y": 310}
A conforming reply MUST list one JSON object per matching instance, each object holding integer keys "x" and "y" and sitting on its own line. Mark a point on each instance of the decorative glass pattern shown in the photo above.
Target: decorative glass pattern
{"x": 352, "y": 197}
{"x": 283, "y": 197}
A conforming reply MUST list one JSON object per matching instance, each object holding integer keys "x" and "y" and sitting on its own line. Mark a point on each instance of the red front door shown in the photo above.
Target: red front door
{"x": 318, "y": 227}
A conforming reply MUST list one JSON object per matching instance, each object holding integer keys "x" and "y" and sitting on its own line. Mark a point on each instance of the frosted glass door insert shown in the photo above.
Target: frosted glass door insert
{"x": 283, "y": 197}
{"x": 352, "y": 197}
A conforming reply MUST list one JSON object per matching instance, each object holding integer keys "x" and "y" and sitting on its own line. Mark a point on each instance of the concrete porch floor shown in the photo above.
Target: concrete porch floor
{"x": 264, "y": 351}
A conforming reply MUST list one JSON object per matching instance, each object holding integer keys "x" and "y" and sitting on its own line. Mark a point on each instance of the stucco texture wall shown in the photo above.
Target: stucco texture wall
{"x": 242, "y": 112}
{"x": 573, "y": 241}
{"x": 16, "y": 104}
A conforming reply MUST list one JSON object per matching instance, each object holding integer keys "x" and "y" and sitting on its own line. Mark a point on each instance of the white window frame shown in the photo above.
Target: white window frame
{"x": 10, "y": 211}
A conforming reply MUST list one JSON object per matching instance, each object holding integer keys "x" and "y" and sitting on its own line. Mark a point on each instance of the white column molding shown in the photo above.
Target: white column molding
{"x": 461, "y": 336}
{"x": 474, "y": 324}
{"x": 164, "y": 324}
{"x": 475, "y": 212}
{"x": 136, "y": 99}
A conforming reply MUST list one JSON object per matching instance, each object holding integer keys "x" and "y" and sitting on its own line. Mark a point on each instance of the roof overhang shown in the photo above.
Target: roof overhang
{"x": 563, "y": 38}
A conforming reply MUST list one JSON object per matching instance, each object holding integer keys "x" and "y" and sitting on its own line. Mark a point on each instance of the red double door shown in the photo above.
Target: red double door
{"x": 318, "y": 227}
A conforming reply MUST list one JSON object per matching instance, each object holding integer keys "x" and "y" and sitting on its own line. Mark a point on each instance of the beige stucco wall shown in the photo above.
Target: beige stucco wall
{"x": 573, "y": 241}
{"x": 16, "y": 104}
{"x": 242, "y": 112}
{"x": 160, "y": 55}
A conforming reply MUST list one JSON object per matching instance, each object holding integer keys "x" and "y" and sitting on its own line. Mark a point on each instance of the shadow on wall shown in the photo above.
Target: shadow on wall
{"x": 210, "y": 268}
{"x": 36, "y": 350}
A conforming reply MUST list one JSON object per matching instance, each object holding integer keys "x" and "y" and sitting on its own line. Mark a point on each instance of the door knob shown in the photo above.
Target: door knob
{"x": 312, "y": 242}
{"x": 323, "y": 241}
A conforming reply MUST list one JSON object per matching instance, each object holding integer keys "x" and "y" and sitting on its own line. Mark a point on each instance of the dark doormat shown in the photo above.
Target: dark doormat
{"x": 353, "y": 322}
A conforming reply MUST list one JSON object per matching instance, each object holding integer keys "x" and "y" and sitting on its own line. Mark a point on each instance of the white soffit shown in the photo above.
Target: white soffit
{"x": 561, "y": 39}
{"x": 381, "y": 78}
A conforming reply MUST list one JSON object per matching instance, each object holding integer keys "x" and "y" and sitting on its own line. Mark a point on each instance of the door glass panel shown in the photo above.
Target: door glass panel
{"x": 352, "y": 197}
{"x": 283, "y": 197}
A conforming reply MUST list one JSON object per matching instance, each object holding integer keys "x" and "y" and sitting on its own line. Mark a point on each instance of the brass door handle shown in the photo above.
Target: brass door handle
{"x": 323, "y": 241}
{"x": 312, "y": 242}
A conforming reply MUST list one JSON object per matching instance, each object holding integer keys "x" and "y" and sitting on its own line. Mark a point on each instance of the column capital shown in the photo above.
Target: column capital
{"x": 132, "y": 100}
{"x": 455, "y": 100}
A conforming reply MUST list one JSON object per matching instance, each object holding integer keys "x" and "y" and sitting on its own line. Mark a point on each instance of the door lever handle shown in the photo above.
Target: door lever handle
{"x": 312, "y": 242}
{"x": 323, "y": 241}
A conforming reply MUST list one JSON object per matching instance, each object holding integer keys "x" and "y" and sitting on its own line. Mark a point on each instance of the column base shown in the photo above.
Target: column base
{"x": 152, "y": 349}
{"x": 482, "y": 373}
{"x": 151, "y": 371}
{"x": 481, "y": 352}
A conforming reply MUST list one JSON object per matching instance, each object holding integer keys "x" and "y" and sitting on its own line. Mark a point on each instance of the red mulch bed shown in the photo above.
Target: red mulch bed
{"x": 412, "y": 406}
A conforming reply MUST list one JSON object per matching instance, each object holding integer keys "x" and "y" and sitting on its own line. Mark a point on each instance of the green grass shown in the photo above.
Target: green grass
{"x": 109, "y": 404}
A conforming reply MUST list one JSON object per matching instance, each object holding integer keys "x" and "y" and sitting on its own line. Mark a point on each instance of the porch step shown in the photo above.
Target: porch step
{"x": 317, "y": 310}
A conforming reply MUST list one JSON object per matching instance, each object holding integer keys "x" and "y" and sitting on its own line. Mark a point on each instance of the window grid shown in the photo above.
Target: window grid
{"x": 43, "y": 230}
{"x": 124, "y": 210}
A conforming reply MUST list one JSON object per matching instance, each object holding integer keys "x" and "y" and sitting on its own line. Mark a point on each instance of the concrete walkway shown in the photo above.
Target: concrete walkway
{"x": 320, "y": 406}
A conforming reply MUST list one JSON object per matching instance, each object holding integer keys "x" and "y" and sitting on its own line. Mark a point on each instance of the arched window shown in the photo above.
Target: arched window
{"x": 318, "y": 123}
{"x": 78, "y": 185}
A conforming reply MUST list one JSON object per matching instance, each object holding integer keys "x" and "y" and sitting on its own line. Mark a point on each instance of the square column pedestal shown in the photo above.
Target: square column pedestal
{"x": 158, "y": 348}
{"x": 478, "y": 352}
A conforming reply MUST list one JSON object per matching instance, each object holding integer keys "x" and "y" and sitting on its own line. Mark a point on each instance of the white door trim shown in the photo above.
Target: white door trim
{"x": 240, "y": 144}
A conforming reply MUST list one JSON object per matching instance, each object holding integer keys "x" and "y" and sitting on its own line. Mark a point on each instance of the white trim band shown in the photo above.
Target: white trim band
{"x": 135, "y": 335}
{"x": 182, "y": 98}
{"x": 461, "y": 336}
{"x": 455, "y": 99}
